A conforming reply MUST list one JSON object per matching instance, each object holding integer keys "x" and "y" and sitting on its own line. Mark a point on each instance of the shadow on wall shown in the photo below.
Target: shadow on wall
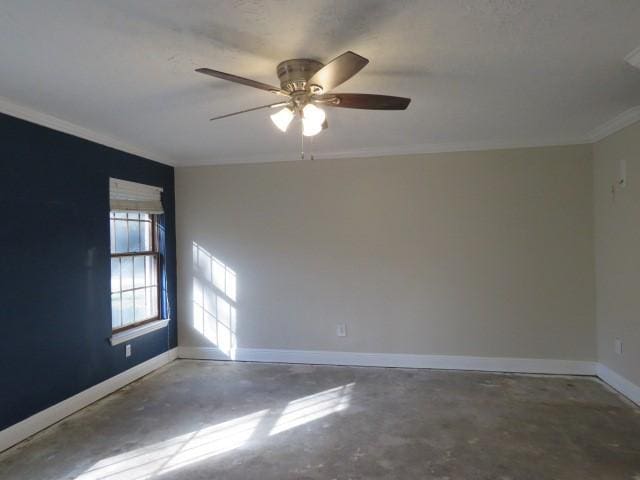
{"x": 214, "y": 301}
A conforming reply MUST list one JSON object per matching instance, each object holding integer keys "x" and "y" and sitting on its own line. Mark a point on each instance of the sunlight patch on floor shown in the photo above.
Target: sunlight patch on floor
{"x": 307, "y": 409}
{"x": 163, "y": 457}
{"x": 160, "y": 458}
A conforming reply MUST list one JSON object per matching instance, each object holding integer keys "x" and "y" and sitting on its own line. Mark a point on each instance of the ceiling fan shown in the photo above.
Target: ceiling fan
{"x": 305, "y": 84}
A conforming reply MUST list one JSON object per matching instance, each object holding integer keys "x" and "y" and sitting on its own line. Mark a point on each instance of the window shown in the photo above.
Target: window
{"x": 134, "y": 269}
{"x": 135, "y": 256}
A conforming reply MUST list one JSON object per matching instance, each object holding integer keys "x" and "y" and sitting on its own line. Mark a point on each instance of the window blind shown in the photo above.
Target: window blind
{"x": 128, "y": 196}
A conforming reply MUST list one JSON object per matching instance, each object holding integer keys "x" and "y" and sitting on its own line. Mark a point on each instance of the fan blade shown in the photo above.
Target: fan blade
{"x": 244, "y": 81}
{"x": 363, "y": 100}
{"x": 338, "y": 71}
{"x": 272, "y": 105}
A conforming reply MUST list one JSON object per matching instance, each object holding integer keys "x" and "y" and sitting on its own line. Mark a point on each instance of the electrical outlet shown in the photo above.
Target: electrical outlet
{"x": 127, "y": 350}
{"x": 341, "y": 330}
{"x": 617, "y": 346}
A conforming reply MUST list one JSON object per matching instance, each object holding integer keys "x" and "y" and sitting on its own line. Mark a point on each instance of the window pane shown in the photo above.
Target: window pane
{"x": 127, "y": 308}
{"x": 121, "y": 236}
{"x": 138, "y": 271}
{"x": 127, "y": 273}
{"x": 154, "y": 301}
{"x": 149, "y": 269}
{"x": 112, "y": 231}
{"x": 145, "y": 236}
{"x": 148, "y": 302}
{"x": 140, "y": 311}
{"x": 116, "y": 320}
{"x": 133, "y": 278}
{"x": 115, "y": 274}
{"x": 134, "y": 236}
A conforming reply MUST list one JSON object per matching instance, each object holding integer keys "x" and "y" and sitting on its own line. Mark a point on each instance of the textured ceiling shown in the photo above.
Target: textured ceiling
{"x": 480, "y": 72}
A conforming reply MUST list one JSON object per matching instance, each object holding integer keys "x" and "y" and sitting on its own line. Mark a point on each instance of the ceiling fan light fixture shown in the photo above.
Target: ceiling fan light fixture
{"x": 282, "y": 119}
{"x": 306, "y": 83}
{"x": 312, "y": 120}
{"x": 309, "y": 129}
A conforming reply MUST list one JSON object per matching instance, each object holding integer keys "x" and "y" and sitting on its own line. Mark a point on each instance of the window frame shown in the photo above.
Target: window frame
{"x": 155, "y": 253}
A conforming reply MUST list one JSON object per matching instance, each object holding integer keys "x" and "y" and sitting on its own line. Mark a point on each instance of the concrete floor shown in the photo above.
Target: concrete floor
{"x": 213, "y": 420}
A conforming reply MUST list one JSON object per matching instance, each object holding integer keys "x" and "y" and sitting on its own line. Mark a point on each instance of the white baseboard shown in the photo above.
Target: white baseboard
{"x": 446, "y": 362}
{"x": 619, "y": 383}
{"x": 24, "y": 429}
{"x": 41, "y": 420}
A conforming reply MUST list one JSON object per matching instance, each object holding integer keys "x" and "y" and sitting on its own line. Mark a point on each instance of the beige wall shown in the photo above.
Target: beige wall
{"x": 483, "y": 253}
{"x": 617, "y": 243}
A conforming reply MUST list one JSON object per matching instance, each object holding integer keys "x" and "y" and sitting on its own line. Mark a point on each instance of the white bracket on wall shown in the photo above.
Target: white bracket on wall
{"x": 621, "y": 180}
{"x": 622, "y": 174}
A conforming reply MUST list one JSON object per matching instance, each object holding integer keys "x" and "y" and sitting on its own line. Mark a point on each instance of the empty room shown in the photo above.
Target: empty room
{"x": 320, "y": 239}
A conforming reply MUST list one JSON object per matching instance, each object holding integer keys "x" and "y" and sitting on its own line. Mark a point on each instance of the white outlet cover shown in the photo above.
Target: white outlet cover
{"x": 341, "y": 330}
{"x": 617, "y": 346}
{"x": 127, "y": 350}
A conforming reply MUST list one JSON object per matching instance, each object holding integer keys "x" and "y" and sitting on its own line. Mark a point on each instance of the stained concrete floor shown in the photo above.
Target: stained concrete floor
{"x": 241, "y": 421}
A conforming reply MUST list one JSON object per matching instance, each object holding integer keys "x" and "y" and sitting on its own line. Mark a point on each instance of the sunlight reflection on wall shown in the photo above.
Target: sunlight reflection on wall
{"x": 214, "y": 300}
{"x": 167, "y": 456}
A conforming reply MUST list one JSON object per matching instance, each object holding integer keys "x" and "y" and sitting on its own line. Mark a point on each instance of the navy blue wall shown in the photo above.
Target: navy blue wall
{"x": 55, "y": 311}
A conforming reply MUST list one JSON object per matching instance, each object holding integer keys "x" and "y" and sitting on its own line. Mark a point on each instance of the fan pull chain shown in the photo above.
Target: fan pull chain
{"x": 301, "y": 143}
{"x": 311, "y": 157}
{"x": 311, "y": 150}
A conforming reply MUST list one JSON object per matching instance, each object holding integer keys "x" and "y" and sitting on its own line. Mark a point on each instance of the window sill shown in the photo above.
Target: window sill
{"x": 126, "y": 335}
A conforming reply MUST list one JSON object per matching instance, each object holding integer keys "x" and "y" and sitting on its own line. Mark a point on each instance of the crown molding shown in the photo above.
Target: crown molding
{"x": 13, "y": 109}
{"x": 419, "y": 149}
{"x": 620, "y": 121}
{"x": 452, "y": 148}
{"x": 615, "y": 124}
{"x": 611, "y": 126}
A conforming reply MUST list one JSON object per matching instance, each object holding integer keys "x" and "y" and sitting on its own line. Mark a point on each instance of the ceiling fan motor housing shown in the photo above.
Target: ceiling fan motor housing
{"x": 294, "y": 75}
